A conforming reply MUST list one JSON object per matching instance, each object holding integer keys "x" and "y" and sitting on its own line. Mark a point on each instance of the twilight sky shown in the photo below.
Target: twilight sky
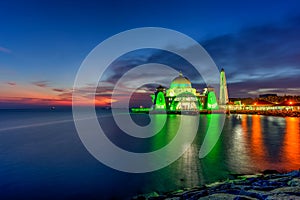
{"x": 43, "y": 43}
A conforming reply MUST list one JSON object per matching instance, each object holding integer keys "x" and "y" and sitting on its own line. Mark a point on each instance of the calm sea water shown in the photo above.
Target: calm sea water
{"x": 41, "y": 155}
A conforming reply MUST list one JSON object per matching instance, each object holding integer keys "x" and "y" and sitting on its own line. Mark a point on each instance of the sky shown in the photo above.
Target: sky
{"x": 43, "y": 44}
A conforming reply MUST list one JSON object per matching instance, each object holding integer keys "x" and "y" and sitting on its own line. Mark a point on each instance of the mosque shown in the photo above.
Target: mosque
{"x": 181, "y": 96}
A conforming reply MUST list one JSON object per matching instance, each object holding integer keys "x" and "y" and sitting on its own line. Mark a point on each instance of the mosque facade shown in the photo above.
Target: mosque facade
{"x": 181, "y": 96}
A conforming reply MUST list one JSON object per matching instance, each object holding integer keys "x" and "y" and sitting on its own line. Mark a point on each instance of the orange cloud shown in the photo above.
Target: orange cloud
{"x": 104, "y": 101}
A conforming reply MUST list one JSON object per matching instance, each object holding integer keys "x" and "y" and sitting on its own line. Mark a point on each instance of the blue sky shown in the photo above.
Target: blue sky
{"x": 42, "y": 43}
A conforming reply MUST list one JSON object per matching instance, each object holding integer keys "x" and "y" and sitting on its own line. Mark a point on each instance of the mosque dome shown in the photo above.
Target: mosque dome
{"x": 181, "y": 82}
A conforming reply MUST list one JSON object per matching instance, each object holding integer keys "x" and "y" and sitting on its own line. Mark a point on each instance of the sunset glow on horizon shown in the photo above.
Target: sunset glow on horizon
{"x": 32, "y": 95}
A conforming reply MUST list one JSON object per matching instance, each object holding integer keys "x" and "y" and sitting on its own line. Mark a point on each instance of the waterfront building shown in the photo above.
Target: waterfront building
{"x": 182, "y": 96}
{"x": 223, "y": 89}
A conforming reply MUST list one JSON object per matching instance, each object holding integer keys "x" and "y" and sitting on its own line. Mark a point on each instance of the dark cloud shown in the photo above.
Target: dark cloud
{"x": 145, "y": 56}
{"x": 59, "y": 90}
{"x": 11, "y": 83}
{"x": 255, "y": 58}
{"x": 41, "y": 83}
{"x": 260, "y": 59}
{"x": 280, "y": 86}
{"x": 259, "y": 51}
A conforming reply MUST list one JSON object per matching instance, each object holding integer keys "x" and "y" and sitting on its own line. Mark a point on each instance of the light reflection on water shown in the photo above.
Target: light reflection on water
{"x": 291, "y": 147}
{"x": 269, "y": 142}
{"x": 42, "y": 160}
{"x": 257, "y": 147}
{"x": 248, "y": 144}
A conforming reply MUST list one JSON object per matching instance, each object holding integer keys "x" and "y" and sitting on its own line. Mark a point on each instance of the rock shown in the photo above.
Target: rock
{"x": 265, "y": 183}
{"x": 274, "y": 176}
{"x": 294, "y": 182}
{"x": 294, "y": 173}
{"x": 229, "y": 191}
{"x": 146, "y": 196}
{"x": 247, "y": 188}
{"x": 286, "y": 189}
{"x": 269, "y": 186}
{"x": 282, "y": 196}
{"x": 293, "y": 194}
{"x": 224, "y": 186}
{"x": 253, "y": 194}
{"x": 281, "y": 179}
{"x": 200, "y": 194}
{"x": 243, "y": 198}
{"x": 244, "y": 182}
{"x": 241, "y": 187}
{"x": 264, "y": 188}
{"x": 225, "y": 196}
{"x": 222, "y": 196}
{"x": 252, "y": 180}
{"x": 173, "y": 198}
{"x": 187, "y": 194}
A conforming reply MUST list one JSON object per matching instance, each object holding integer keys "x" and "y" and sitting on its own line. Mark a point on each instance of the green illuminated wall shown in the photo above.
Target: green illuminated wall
{"x": 211, "y": 102}
{"x": 200, "y": 104}
{"x": 173, "y": 105}
{"x": 160, "y": 102}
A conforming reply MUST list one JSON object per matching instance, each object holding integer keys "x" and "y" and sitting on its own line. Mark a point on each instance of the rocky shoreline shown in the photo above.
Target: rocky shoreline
{"x": 268, "y": 185}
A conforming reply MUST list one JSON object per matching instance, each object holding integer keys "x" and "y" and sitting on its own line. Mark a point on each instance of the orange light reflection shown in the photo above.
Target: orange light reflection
{"x": 256, "y": 144}
{"x": 291, "y": 148}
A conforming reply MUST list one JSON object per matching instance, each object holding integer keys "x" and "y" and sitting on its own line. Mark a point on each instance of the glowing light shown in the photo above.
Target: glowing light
{"x": 212, "y": 101}
{"x": 160, "y": 102}
{"x": 223, "y": 89}
{"x": 181, "y": 96}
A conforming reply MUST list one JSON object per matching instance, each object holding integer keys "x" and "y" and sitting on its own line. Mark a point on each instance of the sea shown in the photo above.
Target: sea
{"x": 42, "y": 155}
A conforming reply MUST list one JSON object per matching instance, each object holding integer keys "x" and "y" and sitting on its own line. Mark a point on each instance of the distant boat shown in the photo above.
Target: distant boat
{"x": 52, "y": 108}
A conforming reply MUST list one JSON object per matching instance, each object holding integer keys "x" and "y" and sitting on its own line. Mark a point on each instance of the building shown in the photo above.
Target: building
{"x": 223, "y": 89}
{"x": 182, "y": 96}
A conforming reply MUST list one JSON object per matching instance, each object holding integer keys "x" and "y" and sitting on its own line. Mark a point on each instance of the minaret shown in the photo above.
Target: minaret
{"x": 223, "y": 89}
